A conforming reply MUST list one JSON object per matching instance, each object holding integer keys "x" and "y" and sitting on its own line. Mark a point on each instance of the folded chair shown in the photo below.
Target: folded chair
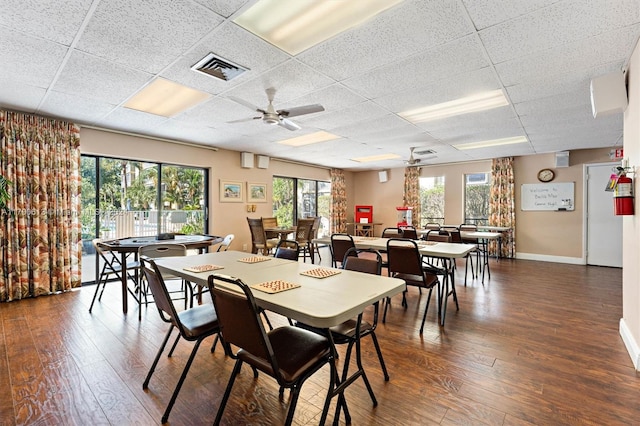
{"x": 193, "y": 325}
{"x": 113, "y": 267}
{"x": 288, "y": 354}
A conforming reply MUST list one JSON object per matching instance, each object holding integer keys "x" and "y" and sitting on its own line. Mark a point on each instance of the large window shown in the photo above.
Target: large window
{"x": 476, "y": 198}
{"x": 123, "y": 198}
{"x": 295, "y": 199}
{"x": 432, "y": 200}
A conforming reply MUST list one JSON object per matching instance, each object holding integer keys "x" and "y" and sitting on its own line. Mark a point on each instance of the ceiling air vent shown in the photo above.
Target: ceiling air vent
{"x": 423, "y": 151}
{"x": 217, "y": 67}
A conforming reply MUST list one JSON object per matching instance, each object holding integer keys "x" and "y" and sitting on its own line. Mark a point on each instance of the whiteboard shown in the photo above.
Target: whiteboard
{"x": 547, "y": 196}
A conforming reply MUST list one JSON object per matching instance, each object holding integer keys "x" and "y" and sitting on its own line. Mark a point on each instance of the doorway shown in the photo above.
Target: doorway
{"x": 604, "y": 229}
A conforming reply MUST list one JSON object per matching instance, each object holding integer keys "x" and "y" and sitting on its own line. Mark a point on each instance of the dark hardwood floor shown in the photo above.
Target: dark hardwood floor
{"x": 538, "y": 344}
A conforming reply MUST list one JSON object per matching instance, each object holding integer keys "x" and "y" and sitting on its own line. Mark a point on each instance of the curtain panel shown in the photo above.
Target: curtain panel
{"x": 502, "y": 211}
{"x": 40, "y": 235}
{"x": 411, "y": 195}
{"x": 338, "y": 208}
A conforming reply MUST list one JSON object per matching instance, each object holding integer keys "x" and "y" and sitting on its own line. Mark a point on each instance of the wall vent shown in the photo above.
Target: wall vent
{"x": 217, "y": 67}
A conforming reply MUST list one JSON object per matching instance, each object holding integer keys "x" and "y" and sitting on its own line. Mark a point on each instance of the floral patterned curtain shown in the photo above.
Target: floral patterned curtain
{"x": 411, "y": 196}
{"x": 40, "y": 235}
{"x": 502, "y": 210}
{"x": 338, "y": 207}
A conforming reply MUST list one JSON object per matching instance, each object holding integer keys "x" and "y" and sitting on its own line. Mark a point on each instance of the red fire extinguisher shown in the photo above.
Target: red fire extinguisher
{"x": 623, "y": 196}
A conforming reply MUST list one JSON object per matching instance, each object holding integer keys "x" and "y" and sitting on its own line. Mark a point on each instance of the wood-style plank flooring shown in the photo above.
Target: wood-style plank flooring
{"x": 538, "y": 344}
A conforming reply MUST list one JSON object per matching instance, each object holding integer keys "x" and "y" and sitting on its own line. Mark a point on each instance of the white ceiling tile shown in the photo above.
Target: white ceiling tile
{"x": 486, "y": 13}
{"x": 131, "y": 120}
{"x": 560, "y": 23}
{"x": 95, "y": 78}
{"x": 344, "y": 117}
{"x": 18, "y": 96}
{"x": 291, "y": 80}
{"x": 75, "y": 108}
{"x": 224, "y": 8}
{"x": 422, "y": 70}
{"x": 33, "y": 61}
{"x": 409, "y": 27}
{"x": 575, "y": 57}
{"x": 45, "y": 18}
{"x": 120, "y": 32}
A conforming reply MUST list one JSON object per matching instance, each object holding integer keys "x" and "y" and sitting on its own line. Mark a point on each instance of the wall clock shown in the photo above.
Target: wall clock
{"x": 546, "y": 175}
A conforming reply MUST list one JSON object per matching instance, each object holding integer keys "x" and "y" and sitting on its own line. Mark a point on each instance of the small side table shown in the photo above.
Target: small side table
{"x": 364, "y": 229}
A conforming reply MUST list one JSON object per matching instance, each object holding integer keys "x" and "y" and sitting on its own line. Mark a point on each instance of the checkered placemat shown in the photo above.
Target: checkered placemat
{"x": 275, "y": 286}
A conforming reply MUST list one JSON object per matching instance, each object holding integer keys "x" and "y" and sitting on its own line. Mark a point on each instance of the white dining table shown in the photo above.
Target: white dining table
{"x": 319, "y": 302}
{"x": 447, "y": 252}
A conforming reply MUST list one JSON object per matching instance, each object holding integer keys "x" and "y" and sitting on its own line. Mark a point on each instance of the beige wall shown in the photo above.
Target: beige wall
{"x": 630, "y": 322}
{"x": 224, "y": 218}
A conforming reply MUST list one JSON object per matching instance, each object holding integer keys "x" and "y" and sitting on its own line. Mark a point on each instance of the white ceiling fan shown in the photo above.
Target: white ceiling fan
{"x": 414, "y": 162}
{"x": 279, "y": 117}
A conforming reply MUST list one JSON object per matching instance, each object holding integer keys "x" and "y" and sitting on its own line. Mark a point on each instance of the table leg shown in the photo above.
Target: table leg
{"x": 125, "y": 296}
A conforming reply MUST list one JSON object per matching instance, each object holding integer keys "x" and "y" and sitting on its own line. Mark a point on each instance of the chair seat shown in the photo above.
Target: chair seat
{"x": 416, "y": 280}
{"x": 295, "y": 349}
{"x": 199, "y": 320}
{"x": 118, "y": 268}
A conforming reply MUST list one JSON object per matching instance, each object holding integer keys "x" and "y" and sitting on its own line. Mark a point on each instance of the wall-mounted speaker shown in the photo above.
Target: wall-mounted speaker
{"x": 383, "y": 176}
{"x": 246, "y": 160}
{"x": 608, "y": 94}
{"x": 562, "y": 159}
{"x": 263, "y": 162}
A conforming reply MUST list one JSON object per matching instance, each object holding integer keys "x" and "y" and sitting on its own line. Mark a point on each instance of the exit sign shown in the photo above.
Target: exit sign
{"x": 616, "y": 154}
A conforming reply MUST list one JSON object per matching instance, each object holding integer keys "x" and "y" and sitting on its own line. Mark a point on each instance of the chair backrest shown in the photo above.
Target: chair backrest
{"x": 370, "y": 265}
{"x": 340, "y": 243}
{"x": 316, "y": 226}
{"x": 455, "y": 236}
{"x": 155, "y": 251}
{"x": 111, "y": 261}
{"x": 409, "y": 233}
{"x": 432, "y": 225}
{"x": 269, "y": 222}
{"x": 304, "y": 230}
{"x": 288, "y": 249}
{"x": 240, "y": 323}
{"x": 441, "y": 235}
{"x": 160, "y": 293}
{"x": 224, "y": 245}
{"x": 468, "y": 227}
{"x": 257, "y": 231}
{"x": 403, "y": 257}
{"x": 391, "y": 233}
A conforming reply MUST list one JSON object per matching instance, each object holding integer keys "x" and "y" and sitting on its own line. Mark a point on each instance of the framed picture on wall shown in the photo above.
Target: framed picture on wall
{"x": 256, "y": 192}
{"x": 231, "y": 192}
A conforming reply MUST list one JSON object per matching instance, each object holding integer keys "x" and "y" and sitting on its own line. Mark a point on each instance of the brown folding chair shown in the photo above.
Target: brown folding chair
{"x": 193, "y": 324}
{"x": 288, "y": 354}
{"x": 405, "y": 262}
{"x": 409, "y": 233}
{"x": 340, "y": 244}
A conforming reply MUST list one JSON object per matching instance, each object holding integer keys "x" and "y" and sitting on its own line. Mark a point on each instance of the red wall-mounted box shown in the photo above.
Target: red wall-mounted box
{"x": 364, "y": 214}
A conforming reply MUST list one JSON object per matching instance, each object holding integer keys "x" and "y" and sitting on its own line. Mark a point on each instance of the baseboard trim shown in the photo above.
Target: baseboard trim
{"x": 547, "y": 258}
{"x": 630, "y": 343}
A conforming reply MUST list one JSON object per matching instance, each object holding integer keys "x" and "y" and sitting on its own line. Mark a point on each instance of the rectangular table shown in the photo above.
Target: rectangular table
{"x": 127, "y": 246}
{"x": 448, "y": 252}
{"x": 318, "y": 302}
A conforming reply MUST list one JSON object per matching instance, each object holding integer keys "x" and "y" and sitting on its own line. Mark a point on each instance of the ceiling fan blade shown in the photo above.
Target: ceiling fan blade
{"x": 244, "y": 120}
{"x": 301, "y": 110}
{"x": 288, "y": 124}
{"x": 245, "y": 103}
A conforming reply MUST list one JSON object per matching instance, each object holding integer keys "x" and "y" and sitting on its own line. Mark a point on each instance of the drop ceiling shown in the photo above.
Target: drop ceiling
{"x": 81, "y": 60}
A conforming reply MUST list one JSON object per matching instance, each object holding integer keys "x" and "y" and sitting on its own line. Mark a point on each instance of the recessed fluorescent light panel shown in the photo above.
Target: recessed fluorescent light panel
{"x": 166, "y": 98}
{"x": 309, "y": 139}
{"x": 493, "y": 142}
{"x": 378, "y": 157}
{"x": 296, "y": 25}
{"x": 479, "y": 102}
